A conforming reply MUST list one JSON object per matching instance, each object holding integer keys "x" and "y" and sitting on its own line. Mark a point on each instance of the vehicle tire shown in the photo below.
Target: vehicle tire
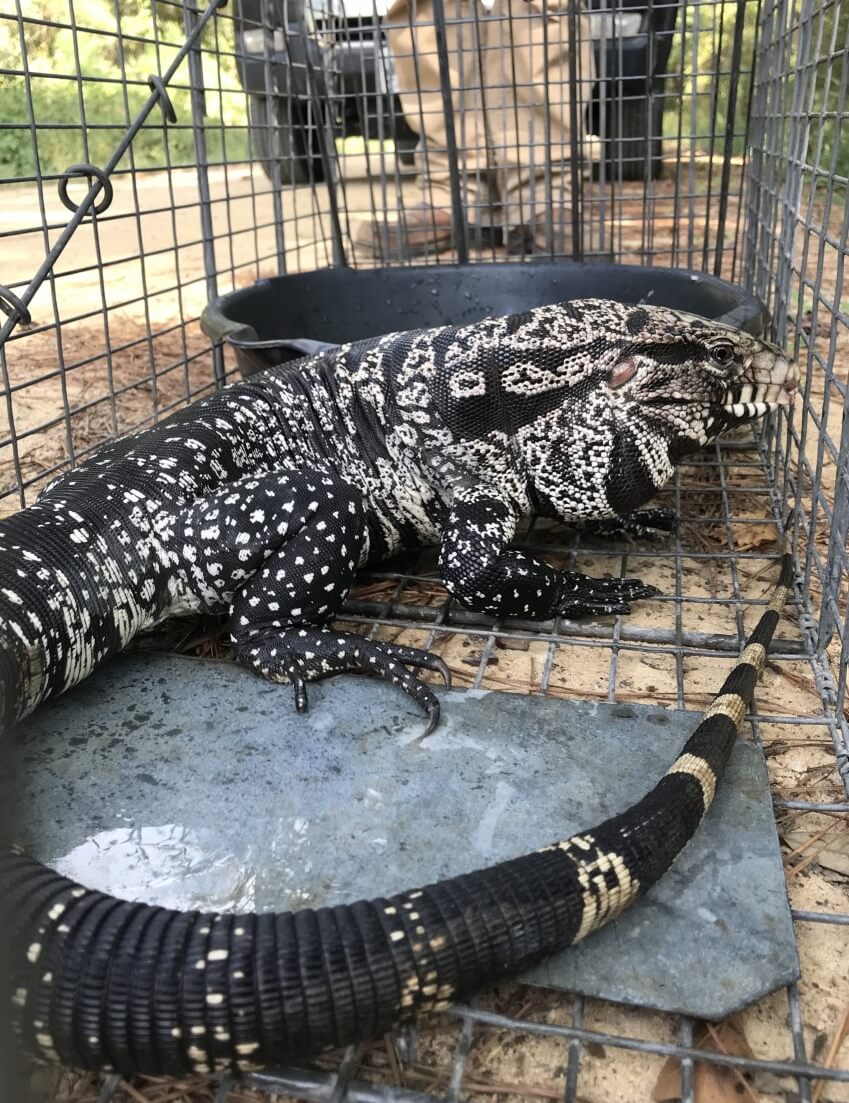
{"x": 406, "y": 150}
{"x": 297, "y": 164}
{"x": 627, "y": 138}
{"x": 406, "y": 139}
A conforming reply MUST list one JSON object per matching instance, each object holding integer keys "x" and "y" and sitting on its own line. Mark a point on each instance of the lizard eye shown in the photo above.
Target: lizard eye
{"x": 722, "y": 353}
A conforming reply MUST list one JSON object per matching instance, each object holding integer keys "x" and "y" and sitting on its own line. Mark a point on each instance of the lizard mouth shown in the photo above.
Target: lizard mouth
{"x": 776, "y": 388}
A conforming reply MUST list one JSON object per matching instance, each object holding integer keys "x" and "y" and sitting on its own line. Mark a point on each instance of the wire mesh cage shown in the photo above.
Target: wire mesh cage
{"x": 156, "y": 155}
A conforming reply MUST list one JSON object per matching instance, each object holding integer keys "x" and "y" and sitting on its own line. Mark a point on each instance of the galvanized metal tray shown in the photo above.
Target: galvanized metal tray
{"x": 192, "y": 783}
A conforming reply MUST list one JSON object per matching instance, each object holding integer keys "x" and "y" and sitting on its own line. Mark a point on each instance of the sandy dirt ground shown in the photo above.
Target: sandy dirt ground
{"x": 159, "y": 358}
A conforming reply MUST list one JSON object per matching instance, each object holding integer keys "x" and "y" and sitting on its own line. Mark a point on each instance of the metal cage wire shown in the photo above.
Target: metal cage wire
{"x": 191, "y": 176}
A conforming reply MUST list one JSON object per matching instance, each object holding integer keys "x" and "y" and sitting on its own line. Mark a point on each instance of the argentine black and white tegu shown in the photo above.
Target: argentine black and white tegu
{"x": 263, "y": 501}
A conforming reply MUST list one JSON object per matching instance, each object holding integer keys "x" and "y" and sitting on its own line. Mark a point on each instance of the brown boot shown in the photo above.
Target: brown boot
{"x": 526, "y": 241}
{"x": 533, "y": 241}
{"x": 411, "y": 232}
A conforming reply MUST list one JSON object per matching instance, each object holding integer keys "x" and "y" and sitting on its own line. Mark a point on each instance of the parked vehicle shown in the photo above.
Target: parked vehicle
{"x": 632, "y": 41}
{"x": 330, "y": 75}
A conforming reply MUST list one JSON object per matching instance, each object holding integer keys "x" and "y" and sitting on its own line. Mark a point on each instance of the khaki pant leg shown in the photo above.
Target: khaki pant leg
{"x": 409, "y": 26}
{"x": 526, "y": 50}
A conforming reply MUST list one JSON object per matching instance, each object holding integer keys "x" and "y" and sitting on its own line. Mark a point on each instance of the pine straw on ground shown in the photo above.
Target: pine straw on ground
{"x": 106, "y": 397}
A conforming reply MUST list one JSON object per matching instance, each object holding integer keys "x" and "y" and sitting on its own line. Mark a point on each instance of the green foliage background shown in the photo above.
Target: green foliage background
{"x": 101, "y": 98}
{"x": 696, "y": 100}
{"x": 703, "y": 46}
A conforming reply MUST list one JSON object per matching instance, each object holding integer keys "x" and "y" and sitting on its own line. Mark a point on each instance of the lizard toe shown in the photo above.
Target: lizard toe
{"x": 575, "y": 610}
{"x": 647, "y": 522}
{"x": 301, "y": 655}
{"x": 632, "y": 589}
{"x": 581, "y": 595}
{"x": 415, "y": 656}
{"x": 393, "y": 670}
{"x": 643, "y": 524}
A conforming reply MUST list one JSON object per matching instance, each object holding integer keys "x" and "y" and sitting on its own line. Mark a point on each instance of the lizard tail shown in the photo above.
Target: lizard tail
{"x": 102, "y": 983}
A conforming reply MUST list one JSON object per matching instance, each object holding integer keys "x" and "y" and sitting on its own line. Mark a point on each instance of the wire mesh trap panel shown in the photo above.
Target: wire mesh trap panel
{"x": 155, "y": 155}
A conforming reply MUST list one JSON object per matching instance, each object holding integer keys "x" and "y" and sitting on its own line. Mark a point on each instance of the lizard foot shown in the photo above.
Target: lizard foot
{"x": 582, "y": 595}
{"x": 301, "y": 655}
{"x": 642, "y": 523}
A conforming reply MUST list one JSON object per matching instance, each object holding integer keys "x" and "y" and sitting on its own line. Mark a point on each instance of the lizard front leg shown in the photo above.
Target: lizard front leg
{"x": 282, "y": 550}
{"x": 479, "y": 569}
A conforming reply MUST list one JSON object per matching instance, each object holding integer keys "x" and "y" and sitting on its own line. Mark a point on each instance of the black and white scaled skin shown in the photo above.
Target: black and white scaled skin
{"x": 264, "y": 501}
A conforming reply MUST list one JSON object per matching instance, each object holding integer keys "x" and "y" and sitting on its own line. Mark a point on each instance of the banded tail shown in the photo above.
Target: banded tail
{"x": 104, "y": 984}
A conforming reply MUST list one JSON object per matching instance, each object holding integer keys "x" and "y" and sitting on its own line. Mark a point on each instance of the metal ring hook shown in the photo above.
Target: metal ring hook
{"x": 157, "y": 84}
{"x": 10, "y": 304}
{"x": 85, "y": 170}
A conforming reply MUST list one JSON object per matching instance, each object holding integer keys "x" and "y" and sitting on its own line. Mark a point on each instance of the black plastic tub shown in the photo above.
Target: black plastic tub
{"x": 286, "y": 317}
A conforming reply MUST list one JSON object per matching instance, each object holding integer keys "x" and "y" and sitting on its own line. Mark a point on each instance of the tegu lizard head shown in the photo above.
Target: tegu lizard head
{"x": 655, "y": 385}
{"x": 691, "y": 379}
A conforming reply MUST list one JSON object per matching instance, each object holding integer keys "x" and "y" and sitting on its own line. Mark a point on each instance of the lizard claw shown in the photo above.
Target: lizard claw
{"x": 432, "y": 720}
{"x": 443, "y": 670}
{"x": 300, "y": 687}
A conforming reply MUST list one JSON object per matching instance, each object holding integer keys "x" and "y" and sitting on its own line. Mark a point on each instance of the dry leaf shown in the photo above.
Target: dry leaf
{"x": 750, "y": 537}
{"x": 711, "y": 1083}
{"x": 823, "y": 324}
{"x": 834, "y": 854}
{"x": 815, "y": 774}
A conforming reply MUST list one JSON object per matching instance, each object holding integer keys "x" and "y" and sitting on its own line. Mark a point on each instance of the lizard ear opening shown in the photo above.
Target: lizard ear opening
{"x": 622, "y": 373}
